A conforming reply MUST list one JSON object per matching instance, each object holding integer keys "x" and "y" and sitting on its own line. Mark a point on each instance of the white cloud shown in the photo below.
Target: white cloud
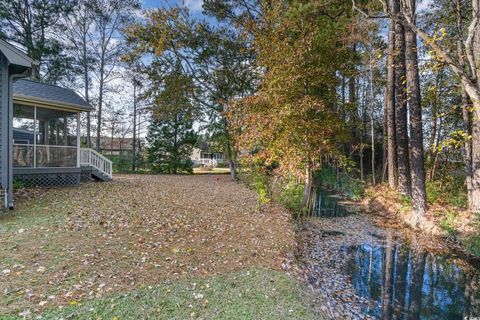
{"x": 194, "y": 5}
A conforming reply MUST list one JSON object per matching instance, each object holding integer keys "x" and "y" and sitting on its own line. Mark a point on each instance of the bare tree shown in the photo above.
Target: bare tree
{"x": 77, "y": 32}
{"x": 110, "y": 17}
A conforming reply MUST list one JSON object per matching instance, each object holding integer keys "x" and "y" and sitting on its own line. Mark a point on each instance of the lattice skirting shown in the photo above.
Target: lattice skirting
{"x": 86, "y": 174}
{"x": 49, "y": 179}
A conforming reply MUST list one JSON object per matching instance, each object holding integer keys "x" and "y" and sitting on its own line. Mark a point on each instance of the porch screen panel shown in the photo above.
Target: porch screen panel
{"x": 23, "y": 136}
{"x": 56, "y": 144}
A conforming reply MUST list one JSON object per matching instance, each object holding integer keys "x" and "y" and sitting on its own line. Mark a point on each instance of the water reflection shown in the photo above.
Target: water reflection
{"x": 409, "y": 283}
{"x": 325, "y": 204}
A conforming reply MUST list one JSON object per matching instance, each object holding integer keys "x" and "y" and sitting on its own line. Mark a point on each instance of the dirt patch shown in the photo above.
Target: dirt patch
{"x": 78, "y": 243}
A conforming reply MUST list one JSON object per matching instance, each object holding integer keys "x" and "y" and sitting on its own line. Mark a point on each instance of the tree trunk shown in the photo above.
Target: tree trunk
{"x": 467, "y": 121}
{"x": 134, "y": 142}
{"x": 437, "y": 140}
{"x": 231, "y": 161}
{"x": 474, "y": 200}
{"x": 433, "y": 124}
{"x": 307, "y": 189}
{"x": 474, "y": 94}
{"x": 87, "y": 86}
{"x": 390, "y": 107}
{"x": 401, "y": 109}
{"x": 99, "y": 113}
{"x": 469, "y": 83}
{"x": 372, "y": 133}
{"x": 111, "y": 140}
{"x": 419, "y": 194}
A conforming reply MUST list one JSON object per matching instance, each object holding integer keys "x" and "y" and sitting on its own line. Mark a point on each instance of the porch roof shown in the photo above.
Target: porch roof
{"x": 32, "y": 92}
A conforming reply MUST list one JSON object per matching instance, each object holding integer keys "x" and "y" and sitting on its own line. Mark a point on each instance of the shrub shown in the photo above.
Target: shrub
{"x": 449, "y": 222}
{"x": 257, "y": 180}
{"x": 291, "y": 195}
{"x": 472, "y": 243}
{"x": 19, "y": 184}
{"x": 450, "y": 192}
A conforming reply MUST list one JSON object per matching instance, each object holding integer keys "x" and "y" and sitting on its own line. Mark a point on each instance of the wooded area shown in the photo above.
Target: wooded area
{"x": 353, "y": 127}
{"x": 381, "y": 91}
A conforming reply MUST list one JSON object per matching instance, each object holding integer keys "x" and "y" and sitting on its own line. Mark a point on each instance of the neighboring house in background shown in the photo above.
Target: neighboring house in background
{"x": 115, "y": 146}
{"x": 40, "y": 131}
{"x": 205, "y": 155}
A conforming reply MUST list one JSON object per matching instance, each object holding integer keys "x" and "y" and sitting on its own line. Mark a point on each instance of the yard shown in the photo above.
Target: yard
{"x": 147, "y": 246}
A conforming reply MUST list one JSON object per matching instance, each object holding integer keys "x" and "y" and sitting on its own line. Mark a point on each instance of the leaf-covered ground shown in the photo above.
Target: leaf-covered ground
{"x": 65, "y": 246}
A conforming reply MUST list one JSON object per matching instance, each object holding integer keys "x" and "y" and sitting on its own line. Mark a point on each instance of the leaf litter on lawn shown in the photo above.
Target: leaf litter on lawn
{"x": 135, "y": 231}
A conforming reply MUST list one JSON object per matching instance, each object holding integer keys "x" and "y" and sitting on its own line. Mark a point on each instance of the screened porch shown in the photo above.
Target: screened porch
{"x": 45, "y": 137}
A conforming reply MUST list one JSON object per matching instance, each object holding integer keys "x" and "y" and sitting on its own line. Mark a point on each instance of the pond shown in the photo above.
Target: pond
{"x": 386, "y": 275}
{"x": 405, "y": 283}
{"x": 326, "y": 204}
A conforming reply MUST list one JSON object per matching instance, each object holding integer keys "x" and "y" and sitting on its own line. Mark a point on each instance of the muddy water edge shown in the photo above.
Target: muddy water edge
{"x": 360, "y": 269}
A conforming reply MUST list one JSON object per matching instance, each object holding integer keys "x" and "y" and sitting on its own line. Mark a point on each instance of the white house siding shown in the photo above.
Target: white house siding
{"x": 196, "y": 152}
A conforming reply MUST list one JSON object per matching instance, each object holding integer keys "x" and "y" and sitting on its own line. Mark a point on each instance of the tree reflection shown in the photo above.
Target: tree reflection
{"x": 406, "y": 282}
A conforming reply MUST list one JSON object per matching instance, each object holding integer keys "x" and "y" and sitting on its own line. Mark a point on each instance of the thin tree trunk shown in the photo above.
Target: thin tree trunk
{"x": 111, "y": 140}
{"x": 87, "y": 86}
{"x": 390, "y": 107}
{"x": 384, "y": 143}
{"x": 134, "y": 142}
{"x": 401, "y": 109}
{"x": 99, "y": 113}
{"x": 431, "y": 176}
{"x": 372, "y": 133}
{"x": 307, "y": 189}
{"x": 433, "y": 124}
{"x": 419, "y": 194}
{"x": 231, "y": 160}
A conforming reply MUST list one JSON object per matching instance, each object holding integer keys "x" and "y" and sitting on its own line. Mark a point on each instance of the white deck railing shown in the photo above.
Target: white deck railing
{"x": 207, "y": 162}
{"x": 90, "y": 157}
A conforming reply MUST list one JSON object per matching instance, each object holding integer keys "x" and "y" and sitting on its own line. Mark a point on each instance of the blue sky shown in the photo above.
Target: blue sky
{"x": 194, "y": 5}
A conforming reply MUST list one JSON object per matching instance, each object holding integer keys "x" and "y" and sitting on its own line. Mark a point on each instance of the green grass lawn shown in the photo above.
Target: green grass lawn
{"x": 255, "y": 294}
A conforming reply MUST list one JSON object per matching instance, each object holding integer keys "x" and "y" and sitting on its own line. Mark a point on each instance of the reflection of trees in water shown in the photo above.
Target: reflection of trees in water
{"x": 417, "y": 270}
{"x": 388, "y": 281}
{"x": 409, "y": 283}
{"x": 401, "y": 269}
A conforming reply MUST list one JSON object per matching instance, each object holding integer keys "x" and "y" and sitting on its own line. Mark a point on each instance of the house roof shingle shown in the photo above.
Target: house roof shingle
{"x": 49, "y": 94}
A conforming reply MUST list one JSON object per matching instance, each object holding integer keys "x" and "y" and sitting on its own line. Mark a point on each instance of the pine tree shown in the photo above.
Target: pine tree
{"x": 171, "y": 143}
{"x": 171, "y": 135}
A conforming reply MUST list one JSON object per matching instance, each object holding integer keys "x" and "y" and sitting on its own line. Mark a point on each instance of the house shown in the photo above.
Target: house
{"x": 204, "y": 154}
{"x": 119, "y": 145}
{"x": 40, "y": 131}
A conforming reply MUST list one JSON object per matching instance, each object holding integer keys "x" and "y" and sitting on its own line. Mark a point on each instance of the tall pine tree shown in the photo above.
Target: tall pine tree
{"x": 171, "y": 135}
